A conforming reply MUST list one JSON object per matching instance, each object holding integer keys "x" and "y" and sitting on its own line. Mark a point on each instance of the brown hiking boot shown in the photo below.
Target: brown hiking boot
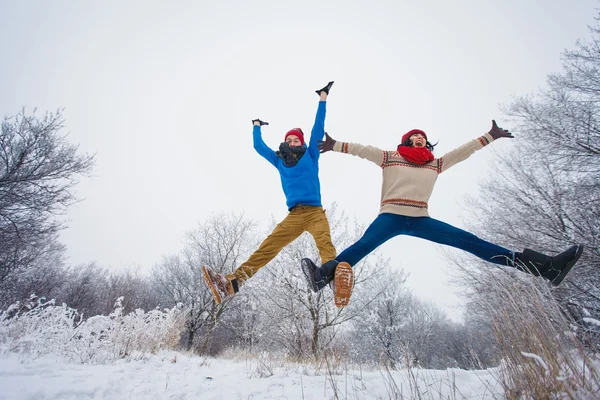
{"x": 221, "y": 287}
{"x": 342, "y": 284}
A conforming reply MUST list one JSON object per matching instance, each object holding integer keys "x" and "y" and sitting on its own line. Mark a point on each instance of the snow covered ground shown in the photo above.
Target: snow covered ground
{"x": 172, "y": 375}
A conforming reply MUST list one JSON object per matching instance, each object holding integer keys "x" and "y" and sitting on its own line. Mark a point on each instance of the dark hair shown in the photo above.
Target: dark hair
{"x": 427, "y": 144}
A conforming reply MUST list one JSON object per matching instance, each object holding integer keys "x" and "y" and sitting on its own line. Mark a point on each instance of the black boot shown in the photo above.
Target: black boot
{"x": 316, "y": 277}
{"x": 565, "y": 261}
{"x": 309, "y": 268}
{"x": 325, "y": 89}
{"x": 326, "y": 273}
{"x": 533, "y": 262}
{"x": 554, "y": 269}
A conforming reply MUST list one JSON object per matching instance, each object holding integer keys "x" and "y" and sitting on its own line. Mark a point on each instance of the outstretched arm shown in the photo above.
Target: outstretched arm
{"x": 370, "y": 153}
{"x": 259, "y": 145}
{"x": 318, "y": 129}
{"x": 465, "y": 151}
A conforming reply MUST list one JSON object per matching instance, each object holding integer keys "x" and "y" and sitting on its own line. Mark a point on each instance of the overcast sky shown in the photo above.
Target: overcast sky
{"x": 163, "y": 94}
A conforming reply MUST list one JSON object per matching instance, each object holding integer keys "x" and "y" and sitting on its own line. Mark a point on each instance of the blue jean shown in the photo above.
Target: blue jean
{"x": 387, "y": 226}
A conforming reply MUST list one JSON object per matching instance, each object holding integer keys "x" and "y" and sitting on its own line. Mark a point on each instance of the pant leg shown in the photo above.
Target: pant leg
{"x": 284, "y": 233}
{"x": 316, "y": 223}
{"x": 382, "y": 229}
{"x": 443, "y": 233}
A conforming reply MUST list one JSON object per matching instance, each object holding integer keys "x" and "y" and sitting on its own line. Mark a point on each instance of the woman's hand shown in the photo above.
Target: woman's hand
{"x": 498, "y": 132}
{"x": 327, "y": 144}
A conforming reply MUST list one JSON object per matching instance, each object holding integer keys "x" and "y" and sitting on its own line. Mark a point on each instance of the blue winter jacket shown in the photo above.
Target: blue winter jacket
{"x": 300, "y": 182}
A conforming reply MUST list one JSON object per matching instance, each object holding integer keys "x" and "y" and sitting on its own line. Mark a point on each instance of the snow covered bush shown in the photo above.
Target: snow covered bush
{"x": 542, "y": 355}
{"x": 41, "y": 327}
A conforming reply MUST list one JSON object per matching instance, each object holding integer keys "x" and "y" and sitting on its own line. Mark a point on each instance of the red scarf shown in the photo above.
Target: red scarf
{"x": 416, "y": 155}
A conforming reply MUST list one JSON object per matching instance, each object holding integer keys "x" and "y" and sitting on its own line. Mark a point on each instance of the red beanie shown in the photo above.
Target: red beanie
{"x": 412, "y": 132}
{"x": 296, "y": 132}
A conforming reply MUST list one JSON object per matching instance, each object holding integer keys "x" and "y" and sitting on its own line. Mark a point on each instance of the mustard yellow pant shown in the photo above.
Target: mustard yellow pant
{"x": 311, "y": 219}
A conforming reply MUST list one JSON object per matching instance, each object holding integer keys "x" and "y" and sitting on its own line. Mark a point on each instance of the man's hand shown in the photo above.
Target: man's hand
{"x": 498, "y": 132}
{"x": 259, "y": 122}
{"x": 326, "y": 89}
{"x": 327, "y": 144}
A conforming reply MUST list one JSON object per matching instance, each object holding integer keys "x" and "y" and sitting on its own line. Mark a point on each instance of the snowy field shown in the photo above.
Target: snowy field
{"x": 172, "y": 375}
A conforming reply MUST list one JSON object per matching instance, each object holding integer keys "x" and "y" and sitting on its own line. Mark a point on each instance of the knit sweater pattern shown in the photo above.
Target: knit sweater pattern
{"x": 407, "y": 187}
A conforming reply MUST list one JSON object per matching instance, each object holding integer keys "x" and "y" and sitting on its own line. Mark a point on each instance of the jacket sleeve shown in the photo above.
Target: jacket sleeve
{"x": 318, "y": 131}
{"x": 463, "y": 152}
{"x": 261, "y": 148}
{"x": 367, "y": 152}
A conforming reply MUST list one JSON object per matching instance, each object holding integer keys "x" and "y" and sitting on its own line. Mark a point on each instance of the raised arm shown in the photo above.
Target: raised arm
{"x": 259, "y": 145}
{"x": 370, "y": 153}
{"x": 318, "y": 130}
{"x": 463, "y": 152}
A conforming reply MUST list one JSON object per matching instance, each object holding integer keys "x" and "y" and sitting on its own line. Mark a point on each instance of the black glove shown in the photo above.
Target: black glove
{"x": 260, "y": 122}
{"x": 325, "y": 89}
{"x": 498, "y": 132}
{"x": 327, "y": 144}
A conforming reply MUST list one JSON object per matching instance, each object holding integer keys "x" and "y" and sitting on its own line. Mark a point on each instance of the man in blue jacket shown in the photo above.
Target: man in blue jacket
{"x": 298, "y": 167}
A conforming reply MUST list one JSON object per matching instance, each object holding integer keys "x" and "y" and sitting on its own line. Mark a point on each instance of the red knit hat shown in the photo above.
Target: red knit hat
{"x": 412, "y": 132}
{"x": 296, "y": 132}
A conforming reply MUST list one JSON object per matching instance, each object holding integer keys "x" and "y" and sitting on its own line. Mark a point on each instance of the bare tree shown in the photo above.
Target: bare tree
{"x": 545, "y": 193}
{"x": 135, "y": 289}
{"x": 302, "y": 323}
{"x": 38, "y": 171}
{"x": 179, "y": 282}
{"x": 481, "y": 349}
{"x": 378, "y": 331}
{"x": 244, "y": 326}
{"x": 85, "y": 289}
{"x": 44, "y": 278}
{"x": 219, "y": 242}
{"x": 423, "y": 320}
{"x": 564, "y": 115}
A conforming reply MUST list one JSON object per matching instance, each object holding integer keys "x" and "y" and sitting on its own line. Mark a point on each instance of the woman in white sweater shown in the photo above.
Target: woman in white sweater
{"x": 409, "y": 174}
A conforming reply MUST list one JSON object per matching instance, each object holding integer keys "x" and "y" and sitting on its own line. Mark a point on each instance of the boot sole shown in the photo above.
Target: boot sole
{"x": 344, "y": 282}
{"x": 568, "y": 266}
{"x": 211, "y": 285}
{"x": 309, "y": 273}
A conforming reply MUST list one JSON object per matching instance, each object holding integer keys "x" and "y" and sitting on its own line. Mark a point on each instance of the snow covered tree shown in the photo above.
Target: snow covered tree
{"x": 38, "y": 172}
{"x": 303, "y": 323}
{"x": 177, "y": 281}
{"x": 44, "y": 277}
{"x": 84, "y": 289}
{"x": 378, "y": 332}
{"x": 134, "y": 288}
{"x": 422, "y": 322}
{"x": 221, "y": 242}
{"x": 399, "y": 329}
{"x": 468, "y": 345}
{"x": 479, "y": 335}
{"x": 277, "y": 312}
{"x": 545, "y": 192}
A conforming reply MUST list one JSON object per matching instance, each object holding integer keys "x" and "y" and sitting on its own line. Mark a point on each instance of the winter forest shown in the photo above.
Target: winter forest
{"x": 536, "y": 340}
